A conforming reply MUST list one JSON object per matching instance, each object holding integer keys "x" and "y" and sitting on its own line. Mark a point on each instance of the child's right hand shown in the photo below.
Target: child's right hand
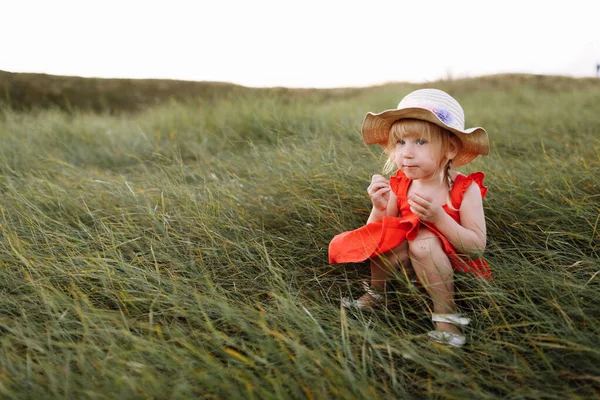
{"x": 379, "y": 192}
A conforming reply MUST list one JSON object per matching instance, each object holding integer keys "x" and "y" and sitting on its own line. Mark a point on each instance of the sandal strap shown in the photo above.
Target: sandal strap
{"x": 447, "y": 338}
{"x": 376, "y": 296}
{"x": 454, "y": 319}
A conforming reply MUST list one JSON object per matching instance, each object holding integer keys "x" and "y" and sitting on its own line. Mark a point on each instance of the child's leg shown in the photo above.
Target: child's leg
{"x": 435, "y": 272}
{"x": 382, "y": 269}
{"x": 384, "y": 266}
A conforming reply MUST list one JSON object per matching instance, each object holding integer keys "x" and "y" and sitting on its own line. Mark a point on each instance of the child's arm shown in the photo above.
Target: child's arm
{"x": 392, "y": 207}
{"x": 390, "y": 211}
{"x": 469, "y": 236}
{"x": 379, "y": 191}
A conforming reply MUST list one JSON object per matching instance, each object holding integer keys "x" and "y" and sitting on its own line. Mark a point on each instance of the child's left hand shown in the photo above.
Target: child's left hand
{"x": 424, "y": 208}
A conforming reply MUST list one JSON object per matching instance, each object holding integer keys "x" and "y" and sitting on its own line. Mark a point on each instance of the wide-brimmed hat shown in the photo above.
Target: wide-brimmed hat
{"x": 437, "y": 107}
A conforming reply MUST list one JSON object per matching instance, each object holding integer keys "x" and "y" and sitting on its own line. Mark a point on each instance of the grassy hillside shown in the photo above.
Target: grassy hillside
{"x": 27, "y": 91}
{"x": 181, "y": 250}
{"x": 24, "y": 91}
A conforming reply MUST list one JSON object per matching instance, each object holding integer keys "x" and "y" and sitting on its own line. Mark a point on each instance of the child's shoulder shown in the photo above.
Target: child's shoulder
{"x": 462, "y": 182}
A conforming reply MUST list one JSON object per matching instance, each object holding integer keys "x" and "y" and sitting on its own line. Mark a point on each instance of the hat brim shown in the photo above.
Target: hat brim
{"x": 376, "y": 130}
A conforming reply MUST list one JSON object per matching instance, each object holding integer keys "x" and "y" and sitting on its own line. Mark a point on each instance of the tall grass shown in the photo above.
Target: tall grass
{"x": 182, "y": 252}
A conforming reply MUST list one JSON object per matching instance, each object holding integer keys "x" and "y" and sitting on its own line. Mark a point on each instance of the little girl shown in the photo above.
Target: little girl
{"x": 427, "y": 216}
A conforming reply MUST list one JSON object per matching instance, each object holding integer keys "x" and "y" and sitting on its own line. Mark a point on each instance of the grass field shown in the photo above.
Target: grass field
{"x": 181, "y": 251}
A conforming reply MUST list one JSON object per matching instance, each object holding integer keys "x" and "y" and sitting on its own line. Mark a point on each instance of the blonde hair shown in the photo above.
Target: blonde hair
{"x": 440, "y": 139}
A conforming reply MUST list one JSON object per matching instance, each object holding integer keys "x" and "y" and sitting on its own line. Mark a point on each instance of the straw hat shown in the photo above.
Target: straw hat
{"x": 435, "y": 106}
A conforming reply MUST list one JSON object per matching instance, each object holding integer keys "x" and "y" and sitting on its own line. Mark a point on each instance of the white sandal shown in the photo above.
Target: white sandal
{"x": 376, "y": 299}
{"x": 452, "y": 339}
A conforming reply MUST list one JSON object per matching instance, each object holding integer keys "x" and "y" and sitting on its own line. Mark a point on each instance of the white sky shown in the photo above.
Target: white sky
{"x": 300, "y": 43}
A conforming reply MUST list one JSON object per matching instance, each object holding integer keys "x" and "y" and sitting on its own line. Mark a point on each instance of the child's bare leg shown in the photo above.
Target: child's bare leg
{"x": 385, "y": 266}
{"x": 382, "y": 268}
{"x": 434, "y": 270}
{"x": 403, "y": 261}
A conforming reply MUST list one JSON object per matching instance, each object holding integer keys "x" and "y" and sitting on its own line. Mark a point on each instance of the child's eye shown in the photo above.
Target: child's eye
{"x": 401, "y": 142}
{"x": 421, "y": 142}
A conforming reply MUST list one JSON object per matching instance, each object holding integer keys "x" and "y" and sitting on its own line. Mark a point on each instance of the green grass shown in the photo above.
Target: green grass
{"x": 182, "y": 251}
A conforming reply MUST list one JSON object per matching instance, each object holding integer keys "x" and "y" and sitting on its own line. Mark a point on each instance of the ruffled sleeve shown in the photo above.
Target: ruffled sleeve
{"x": 462, "y": 183}
{"x": 399, "y": 183}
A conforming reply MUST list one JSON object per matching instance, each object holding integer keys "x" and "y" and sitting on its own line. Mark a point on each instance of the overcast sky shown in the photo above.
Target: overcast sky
{"x": 300, "y": 43}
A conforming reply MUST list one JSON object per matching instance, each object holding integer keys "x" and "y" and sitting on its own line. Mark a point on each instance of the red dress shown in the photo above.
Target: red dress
{"x": 379, "y": 237}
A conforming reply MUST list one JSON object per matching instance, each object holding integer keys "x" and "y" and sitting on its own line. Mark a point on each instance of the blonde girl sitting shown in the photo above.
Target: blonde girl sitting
{"x": 427, "y": 218}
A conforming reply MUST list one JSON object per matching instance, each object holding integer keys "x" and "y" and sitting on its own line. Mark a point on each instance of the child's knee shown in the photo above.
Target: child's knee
{"x": 399, "y": 255}
{"x": 424, "y": 246}
{"x": 394, "y": 257}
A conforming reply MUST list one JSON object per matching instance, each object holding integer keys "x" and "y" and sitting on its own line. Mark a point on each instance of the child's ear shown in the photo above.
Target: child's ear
{"x": 453, "y": 148}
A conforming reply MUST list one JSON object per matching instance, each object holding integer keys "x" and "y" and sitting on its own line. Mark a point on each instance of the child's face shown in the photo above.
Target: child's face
{"x": 420, "y": 149}
{"x": 417, "y": 157}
